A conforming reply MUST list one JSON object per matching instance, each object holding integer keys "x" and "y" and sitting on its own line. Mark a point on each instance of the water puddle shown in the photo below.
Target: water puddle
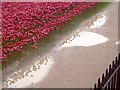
{"x": 118, "y": 42}
{"x": 84, "y": 39}
{"x": 95, "y": 22}
{"x": 31, "y": 75}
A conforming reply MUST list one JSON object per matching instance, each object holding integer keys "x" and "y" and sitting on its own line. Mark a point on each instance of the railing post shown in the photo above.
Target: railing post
{"x": 118, "y": 80}
{"x": 95, "y": 88}
{"x": 106, "y": 78}
{"x": 109, "y": 74}
{"x": 118, "y": 75}
{"x": 99, "y": 84}
{"x": 113, "y": 78}
{"x": 103, "y": 80}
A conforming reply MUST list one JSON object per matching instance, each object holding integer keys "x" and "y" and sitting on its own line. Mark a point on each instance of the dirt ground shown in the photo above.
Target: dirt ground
{"x": 75, "y": 60}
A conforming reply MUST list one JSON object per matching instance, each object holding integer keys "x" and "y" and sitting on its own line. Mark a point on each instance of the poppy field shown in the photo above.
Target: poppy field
{"x": 26, "y": 23}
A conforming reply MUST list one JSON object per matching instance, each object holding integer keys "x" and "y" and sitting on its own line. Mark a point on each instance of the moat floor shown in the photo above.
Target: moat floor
{"x": 75, "y": 60}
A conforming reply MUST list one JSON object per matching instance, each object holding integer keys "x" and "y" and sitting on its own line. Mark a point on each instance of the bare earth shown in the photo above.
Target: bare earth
{"x": 75, "y": 60}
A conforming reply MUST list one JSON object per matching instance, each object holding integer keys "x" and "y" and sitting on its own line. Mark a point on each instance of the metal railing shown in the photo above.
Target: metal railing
{"x": 111, "y": 78}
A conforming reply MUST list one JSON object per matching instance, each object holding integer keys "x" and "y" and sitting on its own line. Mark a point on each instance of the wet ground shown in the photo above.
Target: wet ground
{"x": 77, "y": 59}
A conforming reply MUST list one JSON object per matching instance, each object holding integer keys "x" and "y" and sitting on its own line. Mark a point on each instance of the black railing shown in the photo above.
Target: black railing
{"x": 111, "y": 79}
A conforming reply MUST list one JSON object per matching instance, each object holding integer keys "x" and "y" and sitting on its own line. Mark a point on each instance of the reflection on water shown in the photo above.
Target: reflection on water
{"x": 31, "y": 75}
{"x": 85, "y": 39}
{"x": 95, "y": 22}
{"x": 118, "y": 42}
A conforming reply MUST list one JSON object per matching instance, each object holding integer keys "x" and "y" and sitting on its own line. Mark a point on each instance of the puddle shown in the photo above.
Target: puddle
{"x": 95, "y": 22}
{"x": 118, "y": 42}
{"x": 31, "y": 75}
{"x": 84, "y": 39}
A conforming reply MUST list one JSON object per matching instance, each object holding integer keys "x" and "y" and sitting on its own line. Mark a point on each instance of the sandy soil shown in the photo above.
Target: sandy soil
{"x": 77, "y": 59}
